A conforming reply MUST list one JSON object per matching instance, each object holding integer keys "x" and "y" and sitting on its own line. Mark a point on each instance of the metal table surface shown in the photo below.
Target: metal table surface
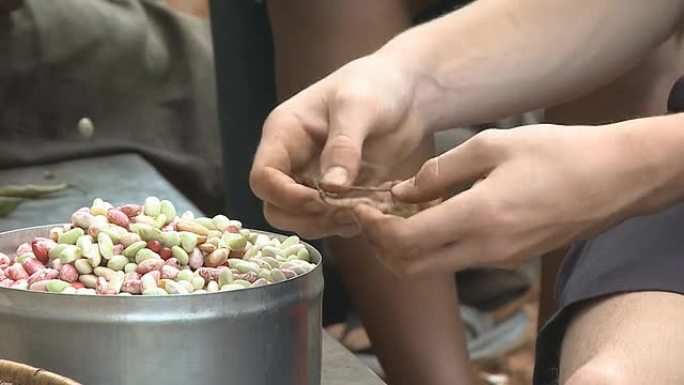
{"x": 129, "y": 178}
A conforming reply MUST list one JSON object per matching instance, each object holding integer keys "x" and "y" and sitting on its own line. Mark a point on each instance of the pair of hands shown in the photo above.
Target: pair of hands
{"x": 537, "y": 187}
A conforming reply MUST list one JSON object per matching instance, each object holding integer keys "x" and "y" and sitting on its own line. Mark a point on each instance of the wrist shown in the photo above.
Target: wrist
{"x": 652, "y": 150}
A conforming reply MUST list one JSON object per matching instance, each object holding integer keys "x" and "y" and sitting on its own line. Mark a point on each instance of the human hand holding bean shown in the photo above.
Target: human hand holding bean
{"x": 364, "y": 111}
{"x": 538, "y": 188}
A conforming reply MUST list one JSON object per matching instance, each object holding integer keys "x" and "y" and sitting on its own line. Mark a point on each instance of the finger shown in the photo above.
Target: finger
{"x": 276, "y": 188}
{"x": 271, "y": 177}
{"x": 308, "y": 226}
{"x": 465, "y": 163}
{"x": 434, "y": 227}
{"x": 350, "y": 120}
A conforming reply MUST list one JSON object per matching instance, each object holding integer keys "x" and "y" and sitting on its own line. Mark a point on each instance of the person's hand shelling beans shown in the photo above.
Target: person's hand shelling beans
{"x": 321, "y": 131}
{"x": 147, "y": 249}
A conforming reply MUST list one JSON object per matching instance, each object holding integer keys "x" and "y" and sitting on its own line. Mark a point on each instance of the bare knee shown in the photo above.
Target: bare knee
{"x": 602, "y": 371}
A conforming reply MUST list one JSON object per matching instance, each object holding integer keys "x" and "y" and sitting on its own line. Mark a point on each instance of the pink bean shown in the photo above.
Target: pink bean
{"x": 169, "y": 272}
{"x": 68, "y": 273}
{"x": 132, "y": 286}
{"x": 38, "y": 286}
{"x": 149, "y": 265}
{"x": 118, "y": 217}
{"x": 32, "y": 265}
{"x": 249, "y": 276}
{"x": 41, "y": 247}
{"x": 173, "y": 262}
{"x": 118, "y": 249}
{"x": 6, "y": 282}
{"x": 16, "y": 272}
{"x": 43, "y": 275}
{"x": 165, "y": 253}
{"x": 131, "y": 210}
{"x": 196, "y": 259}
{"x": 23, "y": 249}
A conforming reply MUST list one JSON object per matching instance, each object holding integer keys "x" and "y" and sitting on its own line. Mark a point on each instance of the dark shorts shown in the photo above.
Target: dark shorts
{"x": 642, "y": 254}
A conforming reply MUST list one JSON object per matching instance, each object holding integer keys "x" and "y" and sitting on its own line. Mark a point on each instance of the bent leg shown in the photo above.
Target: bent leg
{"x": 634, "y": 338}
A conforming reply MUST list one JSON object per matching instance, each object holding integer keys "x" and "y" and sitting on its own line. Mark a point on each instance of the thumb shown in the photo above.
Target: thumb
{"x": 349, "y": 125}
{"x": 458, "y": 166}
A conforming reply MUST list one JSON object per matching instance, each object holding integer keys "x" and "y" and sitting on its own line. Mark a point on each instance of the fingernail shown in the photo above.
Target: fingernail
{"x": 336, "y": 175}
{"x": 404, "y": 187}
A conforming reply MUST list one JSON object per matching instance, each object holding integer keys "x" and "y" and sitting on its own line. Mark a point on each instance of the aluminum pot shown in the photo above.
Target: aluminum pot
{"x": 263, "y": 335}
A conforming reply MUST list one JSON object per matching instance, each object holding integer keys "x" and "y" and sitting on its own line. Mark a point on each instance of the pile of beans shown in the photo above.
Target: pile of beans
{"x": 147, "y": 249}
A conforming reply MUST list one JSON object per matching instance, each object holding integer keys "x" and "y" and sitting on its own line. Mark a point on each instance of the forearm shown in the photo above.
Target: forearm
{"x": 653, "y": 150}
{"x": 499, "y": 57}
